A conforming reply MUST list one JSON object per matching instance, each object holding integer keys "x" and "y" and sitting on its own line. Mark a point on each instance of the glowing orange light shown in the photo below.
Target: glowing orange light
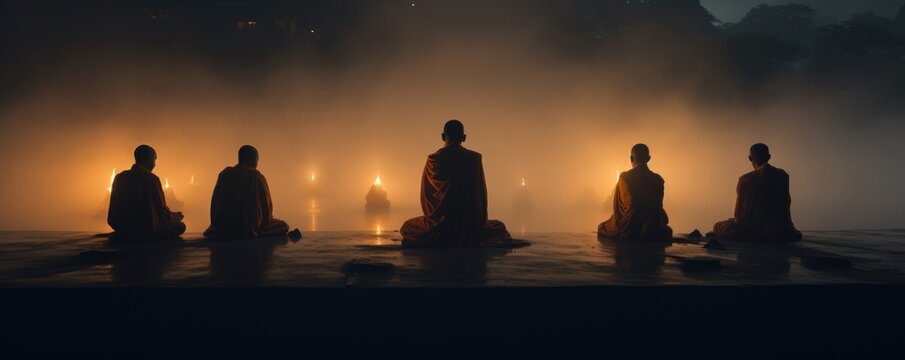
{"x": 617, "y": 176}
{"x": 112, "y": 176}
{"x": 192, "y": 181}
{"x": 377, "y": 181}
{"x": 378, "y": 229}
{"x": 166, "y": 183}
{"x": 523, "y": 181}
{"x": 313, "y": 177}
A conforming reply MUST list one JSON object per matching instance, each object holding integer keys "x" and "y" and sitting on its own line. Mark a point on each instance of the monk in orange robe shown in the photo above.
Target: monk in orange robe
{"x": 763, "y": 207}
{"x": 638, "y": 203}
{"x": 138, "y": 208}
{"x": 241, "y": 206}
{"x": 453, "y": 197}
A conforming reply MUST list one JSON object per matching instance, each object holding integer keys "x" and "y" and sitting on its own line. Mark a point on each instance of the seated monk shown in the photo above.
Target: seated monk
{"x": 638, "y": 203}
{"x": 453, "y": 197}
{"x": 241, "y": 206}
{"x": 138, "y": 209}
{"x": 763, "y": 205}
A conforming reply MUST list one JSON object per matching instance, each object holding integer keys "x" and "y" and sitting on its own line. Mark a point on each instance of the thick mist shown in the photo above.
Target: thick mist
{"x": 562, "y": 124}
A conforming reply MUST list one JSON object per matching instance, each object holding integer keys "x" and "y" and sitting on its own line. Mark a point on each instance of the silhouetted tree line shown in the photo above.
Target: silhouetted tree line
{"x": 674, "y": 39}
{"x": 773, "y": 39}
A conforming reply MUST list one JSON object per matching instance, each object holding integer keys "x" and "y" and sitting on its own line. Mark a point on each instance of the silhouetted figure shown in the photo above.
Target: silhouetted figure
{"x": 241, "y": 206}
{"x": 638, "y": 203}
{"x": 138, "y": 209}
{"x": 763, "y": 206}
{"x": 453, "y": 196}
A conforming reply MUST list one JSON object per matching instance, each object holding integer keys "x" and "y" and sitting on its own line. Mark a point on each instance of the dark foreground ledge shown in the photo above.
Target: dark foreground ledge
{"x": 426, "y": 322}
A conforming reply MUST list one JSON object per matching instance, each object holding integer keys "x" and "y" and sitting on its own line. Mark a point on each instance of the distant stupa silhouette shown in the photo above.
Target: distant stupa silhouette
{"x": 522, "y": 204}
{"x": 172, "y": 202}
{"x": 590, "y": 200}
{"x": 376, "y": 201}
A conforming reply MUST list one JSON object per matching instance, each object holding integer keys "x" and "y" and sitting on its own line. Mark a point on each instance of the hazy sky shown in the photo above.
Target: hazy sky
{"x": 734, "y": 10}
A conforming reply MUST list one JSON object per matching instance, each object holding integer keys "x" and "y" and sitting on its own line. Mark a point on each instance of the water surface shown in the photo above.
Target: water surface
{"x": 554, "y": 259}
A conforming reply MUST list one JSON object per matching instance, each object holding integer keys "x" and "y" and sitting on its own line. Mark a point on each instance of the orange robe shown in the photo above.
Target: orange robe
{"x": 762, "y": 209}
{"x": 241, "y": 206}
{"x": 138, "y": 208}
{"x": 638, "y": 208}
{"x": 454, "y": 201}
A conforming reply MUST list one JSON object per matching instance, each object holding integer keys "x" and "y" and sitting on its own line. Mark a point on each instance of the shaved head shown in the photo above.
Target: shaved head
{"x": 454, "y": 131}
{"x": 640, "y": 154}
{"x": 145, "y": 156}
{"x": 759, "y": 154}
{"x": 248, "y": 155}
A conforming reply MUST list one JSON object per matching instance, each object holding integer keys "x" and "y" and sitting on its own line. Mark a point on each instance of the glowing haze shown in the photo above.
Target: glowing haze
{"x": 539, "y": 118}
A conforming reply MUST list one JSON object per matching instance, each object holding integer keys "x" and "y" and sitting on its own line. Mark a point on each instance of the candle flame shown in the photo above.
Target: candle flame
{"x": 112, "y": 176}
{"x": 378, "y": 229}
{"x": 192, "y": 180}
{"x": 313, "y": 177}
{"x": 377, "y": 181}
{"x": 166, "y": 183}
{"x": 523, "y": 181}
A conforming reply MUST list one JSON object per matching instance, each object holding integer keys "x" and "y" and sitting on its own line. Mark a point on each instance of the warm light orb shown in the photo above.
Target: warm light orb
{"x": 523, "y": 181}
{"x": 112, "y": 176}
{"x": 166, "y": 183}
{"x": 192, "y": 180}
{"x": 377, "y": 181}
{"x": 313, "y": 177}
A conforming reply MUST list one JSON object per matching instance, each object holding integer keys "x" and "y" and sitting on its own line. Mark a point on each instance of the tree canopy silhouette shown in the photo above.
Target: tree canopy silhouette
{"x": 792, "y": 23}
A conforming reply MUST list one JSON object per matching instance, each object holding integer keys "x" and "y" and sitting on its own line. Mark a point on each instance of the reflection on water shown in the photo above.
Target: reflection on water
{"x": 636, "y": 256}
{"x": 313, "y": 210}
{"x": 242, "y": 262}
{"x": 763, "y": 263}
{"x": 522, "y": 209}
{"x": 141, "y": 265}
{"x": 453, "y": 267}
{"x": 378, "y": 220}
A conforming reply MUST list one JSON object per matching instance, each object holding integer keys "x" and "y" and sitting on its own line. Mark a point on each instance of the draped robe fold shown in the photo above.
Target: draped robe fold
{"x": 241, "y": 206}
{"x": 138, "y": 208}
{"x": 638, "y": 212}
{"x": 454, "y": 201}
{"x": 762, "y": 208}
